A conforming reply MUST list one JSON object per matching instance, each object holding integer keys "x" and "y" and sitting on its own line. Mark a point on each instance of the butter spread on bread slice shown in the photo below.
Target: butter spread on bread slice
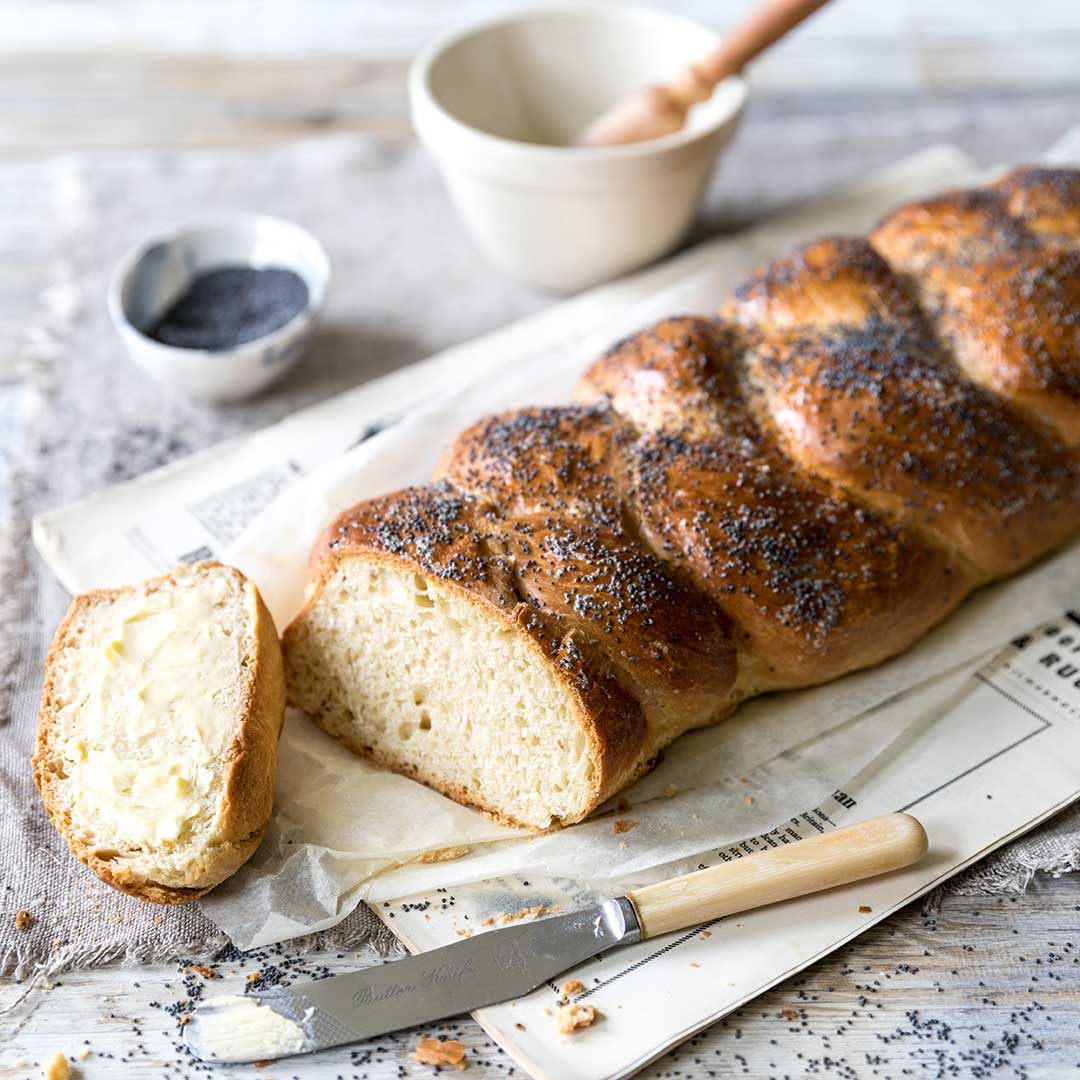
{"x": 158, "y": 733}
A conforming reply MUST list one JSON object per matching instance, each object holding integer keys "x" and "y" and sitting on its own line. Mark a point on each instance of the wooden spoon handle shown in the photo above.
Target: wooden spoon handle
{"x": 808, "y": 866}
{"x": 767, "y": 24}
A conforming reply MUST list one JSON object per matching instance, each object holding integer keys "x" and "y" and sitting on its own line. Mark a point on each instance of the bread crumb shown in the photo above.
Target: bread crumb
{"x": 463, "y": 933}
{"x": 23, "y": 920}
{"x": 671, "y": 791}
{"x": 528, "y": 913}
{"x": 254, "y": 976}
{"x": 520, "y": 1027}
{"x": 21, "y": 1063}
{"x": 56, "y": 1068}
{"x": 263, "y": 1064}
{"x": 571, "y": 1017}
{"x": 440, "y": 1052}
{"x": 84, "y": 1053}
{"x": 789, "y": 1014}
{"x": 445, "y": 854}
{"x": 489, "y": 921}
{"x": 201, "y": 969}
{"x": 623, "y": 844}
{"x": 622, "y": 826}
{"x": 865, "y": 909}
{"x": 692, "y": 964}
{"x": 573, "y": 986}
{"x": 706, "y": 933}
{"x": 747, "y": 800}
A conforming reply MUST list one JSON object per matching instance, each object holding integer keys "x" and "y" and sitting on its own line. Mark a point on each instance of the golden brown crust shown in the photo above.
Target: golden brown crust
{"x": 834, "y": 281}
{"x": 1003, "y": 292}
{"x": 815, "y": 583}
{"x": 249, "y": 789}
{"x": 570, "y": 540}
{"x": 563, "y": 460}
{"x": 249, "y": 792}
{"x": 676, "y": 376}
{"x": 1044, "y": 201}
{"x": 872, "y": 403}
{"x": 1011, "y": 323}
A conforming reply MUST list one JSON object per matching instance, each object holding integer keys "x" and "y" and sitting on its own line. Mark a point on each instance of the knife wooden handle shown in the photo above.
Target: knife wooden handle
{"x": 808, "y": 866}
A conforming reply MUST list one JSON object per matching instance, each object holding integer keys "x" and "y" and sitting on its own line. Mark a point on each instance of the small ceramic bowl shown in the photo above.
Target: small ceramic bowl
{"x": 153, "y": 275}
{"x": 498, "y": 104}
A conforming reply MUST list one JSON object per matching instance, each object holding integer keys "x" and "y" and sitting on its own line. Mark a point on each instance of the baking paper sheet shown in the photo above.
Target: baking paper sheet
{"x": 913, "y": 731}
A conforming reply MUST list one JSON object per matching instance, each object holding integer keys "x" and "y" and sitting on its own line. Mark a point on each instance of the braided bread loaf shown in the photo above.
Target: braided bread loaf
{"x": 767, "y": 500}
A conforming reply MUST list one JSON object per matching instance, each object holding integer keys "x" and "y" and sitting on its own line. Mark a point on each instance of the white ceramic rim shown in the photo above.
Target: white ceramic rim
{"x": 421, "y": 93}
{"x": 124, "y": 268}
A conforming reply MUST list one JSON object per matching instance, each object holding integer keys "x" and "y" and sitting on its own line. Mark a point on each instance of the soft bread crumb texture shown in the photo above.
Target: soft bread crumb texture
{"x": 156, "y": 747}
{"x": 573, "y": 1016}
{"x": 446, "y": 854}
{"x": 529, "y": 913}
{"x": 152, "y": 685}
{"x": 440, "y": 1052}
{"x": 428, "y": 680}
{"x": 56, "y": 1068}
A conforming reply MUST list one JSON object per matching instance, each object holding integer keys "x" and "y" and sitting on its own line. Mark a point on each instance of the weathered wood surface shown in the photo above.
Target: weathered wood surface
{"x": 990, "y": 986}
{"x": 212, "y": 72}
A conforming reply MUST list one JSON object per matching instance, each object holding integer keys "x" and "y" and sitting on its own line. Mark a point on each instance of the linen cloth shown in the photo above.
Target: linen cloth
{"x": 76, "y": 416}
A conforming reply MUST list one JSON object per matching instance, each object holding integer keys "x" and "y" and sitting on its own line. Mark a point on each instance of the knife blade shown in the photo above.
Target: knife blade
{"x": 511, "y": 961}
{"x": 487, "y": 968}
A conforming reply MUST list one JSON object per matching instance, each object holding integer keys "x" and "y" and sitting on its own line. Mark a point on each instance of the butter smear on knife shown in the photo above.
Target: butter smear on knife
{"x": 235, "y": 1028}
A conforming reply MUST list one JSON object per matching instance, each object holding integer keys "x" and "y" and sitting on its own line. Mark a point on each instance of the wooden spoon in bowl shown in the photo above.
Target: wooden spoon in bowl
{"x": 661, "y": 110}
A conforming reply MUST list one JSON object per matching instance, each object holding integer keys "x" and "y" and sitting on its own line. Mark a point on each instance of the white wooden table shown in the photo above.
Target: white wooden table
{"x": 988, "y": 986}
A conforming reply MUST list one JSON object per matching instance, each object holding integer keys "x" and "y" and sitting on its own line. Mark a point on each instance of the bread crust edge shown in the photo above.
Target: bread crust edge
{"x": 610, "y": 774}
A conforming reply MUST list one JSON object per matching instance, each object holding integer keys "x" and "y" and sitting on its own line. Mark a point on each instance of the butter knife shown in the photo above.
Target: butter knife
{"x": 506, "y": 963}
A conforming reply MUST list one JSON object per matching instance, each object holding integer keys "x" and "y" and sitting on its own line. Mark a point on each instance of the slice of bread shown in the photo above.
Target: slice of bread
{"x": 158, "y": 732}
{"x": 418, "y": 647}
{"x": 414, "y": 673}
